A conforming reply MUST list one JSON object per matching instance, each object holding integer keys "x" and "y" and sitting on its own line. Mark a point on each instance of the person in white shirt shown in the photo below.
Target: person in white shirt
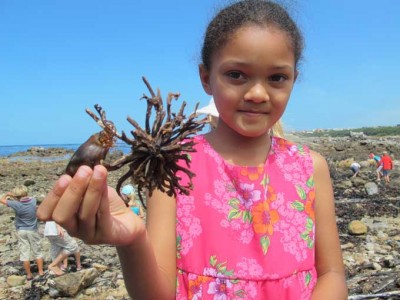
{"x": 355, "y": 167}
{"x": 62, "y": 245}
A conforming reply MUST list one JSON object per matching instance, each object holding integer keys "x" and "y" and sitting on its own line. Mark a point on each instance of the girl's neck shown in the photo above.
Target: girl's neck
{"x": 238, "y": 149}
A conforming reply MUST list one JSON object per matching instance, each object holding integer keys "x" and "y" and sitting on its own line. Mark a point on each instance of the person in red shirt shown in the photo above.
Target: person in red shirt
{"x": 387, "y": 165}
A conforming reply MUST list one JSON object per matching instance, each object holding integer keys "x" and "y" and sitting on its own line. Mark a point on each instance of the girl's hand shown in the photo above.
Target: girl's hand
{"x": 90, "y": 210}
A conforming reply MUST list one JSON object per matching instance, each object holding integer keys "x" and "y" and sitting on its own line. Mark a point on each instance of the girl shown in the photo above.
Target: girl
{"x": 259, "y": 222}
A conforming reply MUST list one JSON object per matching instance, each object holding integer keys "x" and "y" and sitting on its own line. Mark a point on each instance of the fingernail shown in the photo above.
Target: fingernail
{"x": 83, "y": 171}
{"x": 63, "y": 182}
{"x": 97, "y": 172}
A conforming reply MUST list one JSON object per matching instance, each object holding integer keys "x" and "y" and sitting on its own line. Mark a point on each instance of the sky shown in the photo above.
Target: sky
{"x": 58, "y": 58}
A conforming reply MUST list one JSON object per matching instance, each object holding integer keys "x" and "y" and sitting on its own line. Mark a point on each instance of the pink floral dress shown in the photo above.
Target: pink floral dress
{"x": 247, "y": 232}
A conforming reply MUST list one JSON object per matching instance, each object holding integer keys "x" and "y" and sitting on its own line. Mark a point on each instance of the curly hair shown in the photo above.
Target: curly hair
{"x": 249, "y": 12}
{"x": 20, "y": 191}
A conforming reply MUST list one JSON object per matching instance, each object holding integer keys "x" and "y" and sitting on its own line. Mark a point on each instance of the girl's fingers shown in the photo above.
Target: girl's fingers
{"x": 66, "y": 211}
{"x": 46, "y": 208}
{"x": 96, "y": 193}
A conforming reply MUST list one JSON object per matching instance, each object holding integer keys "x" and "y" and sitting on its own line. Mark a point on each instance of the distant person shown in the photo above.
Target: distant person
{"x": 128, "y": 194}
{"x": 378, "y": 170}
{"x": 62, "y": 245}
{"x": 26, "y": 224}
{"x": 386, "y": 163}
{"x": 355, "y": 167}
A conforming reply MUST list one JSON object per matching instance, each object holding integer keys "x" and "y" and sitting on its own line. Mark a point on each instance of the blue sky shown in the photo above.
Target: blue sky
{"x": 59, "y": 57}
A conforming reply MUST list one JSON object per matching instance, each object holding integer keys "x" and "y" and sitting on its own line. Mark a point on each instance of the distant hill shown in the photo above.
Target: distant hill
{"x": 369, "y": 131}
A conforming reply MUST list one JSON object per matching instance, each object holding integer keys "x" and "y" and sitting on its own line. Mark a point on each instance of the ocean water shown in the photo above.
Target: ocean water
{"x": 6, "y": 151}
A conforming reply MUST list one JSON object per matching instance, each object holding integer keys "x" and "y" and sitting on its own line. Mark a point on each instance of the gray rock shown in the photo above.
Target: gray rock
{"x": 71, "y": 284}
{"x": 371, "y": 188}
{"x": 15, "y": 280}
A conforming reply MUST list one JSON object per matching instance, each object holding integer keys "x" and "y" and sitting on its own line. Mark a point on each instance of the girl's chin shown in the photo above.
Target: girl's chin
{"x": 253, "y": 133}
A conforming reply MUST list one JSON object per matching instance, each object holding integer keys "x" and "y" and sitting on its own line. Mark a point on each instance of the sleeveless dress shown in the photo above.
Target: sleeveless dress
{"x": 247, "y": 232}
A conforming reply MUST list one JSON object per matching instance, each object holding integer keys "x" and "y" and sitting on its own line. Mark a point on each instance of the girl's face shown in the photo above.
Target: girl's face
{"x": 251, "y": 78}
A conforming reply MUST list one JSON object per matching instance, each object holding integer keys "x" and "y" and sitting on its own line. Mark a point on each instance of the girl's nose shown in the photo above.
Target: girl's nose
{"x": 258, "y": 93}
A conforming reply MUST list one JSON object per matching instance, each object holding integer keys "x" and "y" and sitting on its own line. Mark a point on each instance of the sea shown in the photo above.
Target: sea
{"x": 6, "y": 151}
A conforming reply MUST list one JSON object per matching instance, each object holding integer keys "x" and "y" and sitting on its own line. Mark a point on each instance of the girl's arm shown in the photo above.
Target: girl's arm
{"x": 88, "y": 209}
{"x": 155, "y": 256}
{"x": 331, "y": 282}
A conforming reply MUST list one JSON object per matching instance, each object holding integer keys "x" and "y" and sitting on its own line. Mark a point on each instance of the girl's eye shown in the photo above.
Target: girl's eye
{"x": 235, "y": 75}
{"x": 278, "y": 77}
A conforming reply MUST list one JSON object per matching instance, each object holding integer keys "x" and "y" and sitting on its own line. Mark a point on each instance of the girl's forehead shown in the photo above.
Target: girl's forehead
{"x": 257, "y": 43}
{"x": 268, "y": 32}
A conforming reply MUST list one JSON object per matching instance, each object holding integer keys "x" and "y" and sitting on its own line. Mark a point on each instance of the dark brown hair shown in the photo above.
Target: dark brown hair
{"x": 249, "y": 12}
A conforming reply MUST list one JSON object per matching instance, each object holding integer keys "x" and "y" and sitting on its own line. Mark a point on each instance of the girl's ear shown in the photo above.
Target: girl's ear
{"x": 205, "y": 79}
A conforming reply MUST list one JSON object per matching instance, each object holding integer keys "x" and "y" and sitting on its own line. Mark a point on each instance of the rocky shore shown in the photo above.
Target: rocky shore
{"x": 367, "y": 217}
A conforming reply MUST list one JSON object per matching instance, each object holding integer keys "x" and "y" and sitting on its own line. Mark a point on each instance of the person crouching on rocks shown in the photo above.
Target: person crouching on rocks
{"x": 26, "y": 224}
{"x": 355, "y": 167}
{"x": 62, "y": 245}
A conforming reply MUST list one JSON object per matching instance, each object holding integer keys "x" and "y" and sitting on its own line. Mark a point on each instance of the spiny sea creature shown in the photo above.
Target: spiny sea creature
{"x": 155, "y": 150}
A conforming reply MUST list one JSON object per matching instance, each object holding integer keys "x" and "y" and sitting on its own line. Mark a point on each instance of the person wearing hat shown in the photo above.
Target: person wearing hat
{"x": 129, "y": 196}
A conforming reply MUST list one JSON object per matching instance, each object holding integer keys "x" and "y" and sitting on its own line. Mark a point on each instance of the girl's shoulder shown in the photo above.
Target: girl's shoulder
{"x": 280, "y": 144}
{"x": 299, "y": 152}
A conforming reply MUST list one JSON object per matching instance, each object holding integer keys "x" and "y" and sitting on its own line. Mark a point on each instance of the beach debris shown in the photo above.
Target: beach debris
{"x": 154, "y": 150}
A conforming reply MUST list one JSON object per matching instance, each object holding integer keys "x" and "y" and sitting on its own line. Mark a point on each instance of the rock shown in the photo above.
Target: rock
{"x": 357, "y": 227}
{"x": 358, "y": 181}
{"x": 347, "y": 246}
{"x": 345, "y": 184}
{"x": 371, "y": 188}
{"x": 340, "y": 147}
{"x": 71, "y": 284}
{"x": 377, "y": 266}
{"x": 99, "y": 267}
{"x": 29, "y": 182}
{"x": 15, "y": 280}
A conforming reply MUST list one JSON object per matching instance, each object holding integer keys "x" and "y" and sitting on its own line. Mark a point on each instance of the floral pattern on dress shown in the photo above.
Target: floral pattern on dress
{"x": 215, "y": 281}
{"x": 306, "y": 204}
{"x": 191, "y": 226}
{"x": 253, "y": 227}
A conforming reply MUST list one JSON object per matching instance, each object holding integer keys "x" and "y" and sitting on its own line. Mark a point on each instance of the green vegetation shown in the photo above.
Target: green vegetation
{"x": 369, "y": 131}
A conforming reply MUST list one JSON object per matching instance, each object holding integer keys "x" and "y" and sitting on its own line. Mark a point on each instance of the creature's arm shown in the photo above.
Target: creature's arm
{"x": 331, "y": 282}
{"x": 151, "y": 261}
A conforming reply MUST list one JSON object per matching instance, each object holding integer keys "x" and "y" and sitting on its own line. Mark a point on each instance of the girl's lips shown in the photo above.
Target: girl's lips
{"x": 252, "y": 113}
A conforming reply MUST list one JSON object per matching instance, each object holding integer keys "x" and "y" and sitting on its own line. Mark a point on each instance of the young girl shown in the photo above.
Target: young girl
{"x": 259, "y": 222}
